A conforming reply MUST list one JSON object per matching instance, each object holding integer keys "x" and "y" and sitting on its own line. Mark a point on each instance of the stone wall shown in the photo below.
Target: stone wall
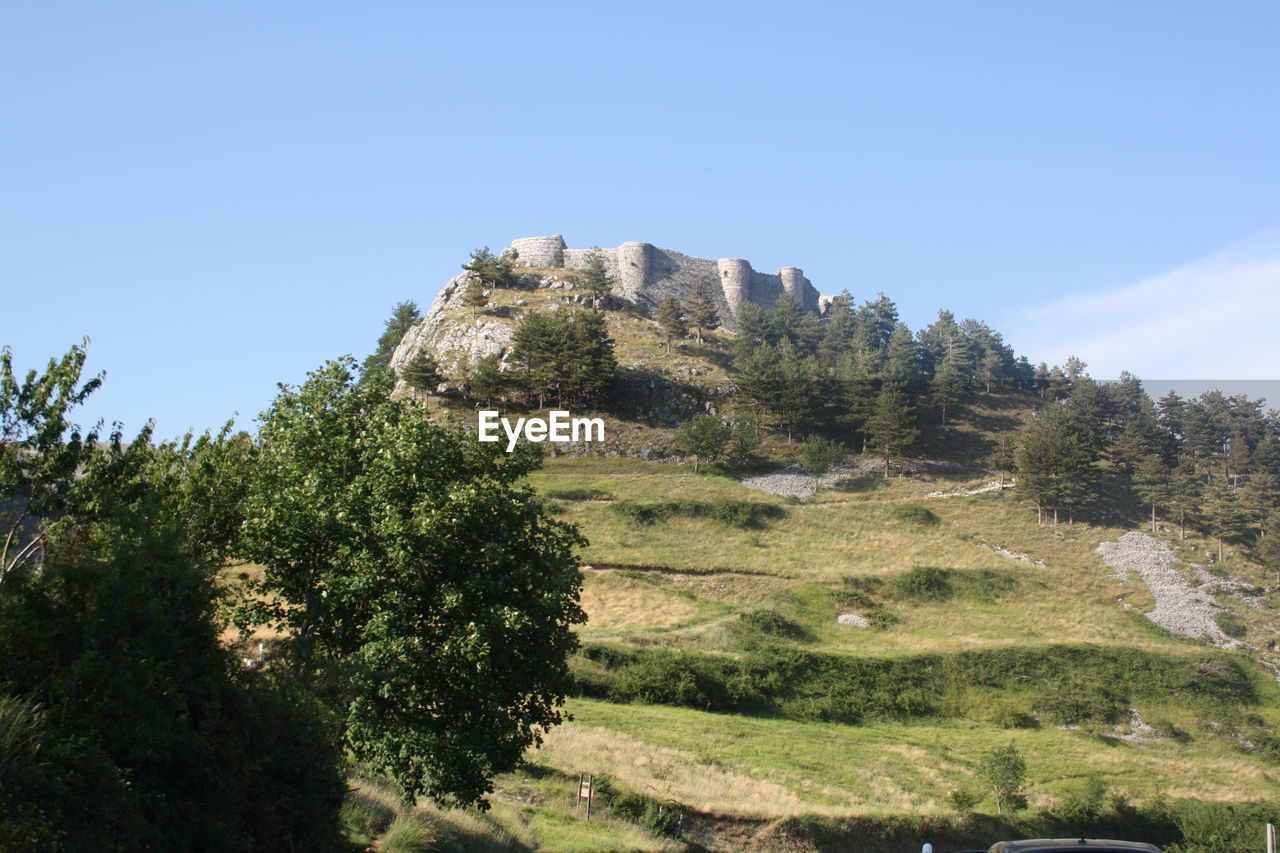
{"x": 645, "y": 274}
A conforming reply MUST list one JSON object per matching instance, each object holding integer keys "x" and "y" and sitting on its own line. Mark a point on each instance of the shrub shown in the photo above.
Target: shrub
{"x": 963, "y": 800}
{"x": 914, "y": 514}
{"x": 773, "y": 623}
{"x": 925, "y": 583}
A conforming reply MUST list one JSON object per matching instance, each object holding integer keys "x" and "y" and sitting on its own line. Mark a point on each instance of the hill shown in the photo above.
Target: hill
{"x": 832, "y": 673}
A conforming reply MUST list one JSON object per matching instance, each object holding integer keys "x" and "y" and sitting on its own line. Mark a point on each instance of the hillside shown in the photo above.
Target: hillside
{"x": 813, "y": 674}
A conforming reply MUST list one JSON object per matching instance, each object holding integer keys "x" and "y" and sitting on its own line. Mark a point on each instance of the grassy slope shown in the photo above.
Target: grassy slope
{"x": 755, "y": 767}
{"x": 740, "y": 765}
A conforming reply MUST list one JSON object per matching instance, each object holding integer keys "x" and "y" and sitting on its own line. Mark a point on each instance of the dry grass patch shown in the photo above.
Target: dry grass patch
{"x": 614, "y": 602}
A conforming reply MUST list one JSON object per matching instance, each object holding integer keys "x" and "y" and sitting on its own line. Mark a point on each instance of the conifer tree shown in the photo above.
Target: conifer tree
{"x": 473, "y": 296}
{"x": 752, "y": 332}
{"x": 1152, "y": 483}
{"x": 490, "y": 270}
{"x": 422, "y": 373}
{"x": 594, "y": 277}
{"x": 671, "y": 319}
{"x": 487, "y": 380}
{"x": 403, "y": 318}
{"x": 1185, "y": 490}
{"x": 700, "y": 307}
{"x": 1055, "y": 467}
{"x": 1223, "y": 512}
{"x": 892, "y": 428}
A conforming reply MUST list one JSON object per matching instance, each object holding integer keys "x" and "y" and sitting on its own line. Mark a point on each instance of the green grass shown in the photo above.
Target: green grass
{"x": 709, "y": 597}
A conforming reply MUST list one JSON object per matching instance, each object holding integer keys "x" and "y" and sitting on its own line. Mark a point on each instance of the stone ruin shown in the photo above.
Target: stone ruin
{"x": 644, "y": 273}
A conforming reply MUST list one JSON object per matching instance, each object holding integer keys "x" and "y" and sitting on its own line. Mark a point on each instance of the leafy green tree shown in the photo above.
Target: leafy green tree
{"x": 40, "y": 449}
{"x": 403, "y": 318}
{"x": 705, "y": 437}
{"x": 789, "y": 321}
{"x": 148, "y": 735}
{"x": 892, "y": 428}
{"x": 422, "y": 373}
{"x": 799, "y": 390}
{"x": 1004, "y": 458}
{"x": 594, "y": 277}
{"x": 700, "y": 306}
{"x": 426, "y": 593}
{"x": 671, "y": 319}
{"x": 1004, "y": 772}
{"x": 747, "y": 436}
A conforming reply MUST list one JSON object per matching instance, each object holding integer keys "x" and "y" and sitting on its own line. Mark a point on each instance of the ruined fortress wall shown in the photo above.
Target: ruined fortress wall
{"x": 645, "y": 274}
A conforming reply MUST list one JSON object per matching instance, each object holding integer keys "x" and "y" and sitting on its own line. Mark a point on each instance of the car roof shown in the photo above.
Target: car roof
{"x": 1072, "y": 845}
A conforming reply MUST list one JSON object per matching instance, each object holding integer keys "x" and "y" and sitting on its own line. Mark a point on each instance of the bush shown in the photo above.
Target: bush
{"x": 925, "y": 583}
{"x": 774, "y": 624}
{"x": 746, "y": 514}
{"x": 963, "y": 800}
{"x": 914, "y": 514}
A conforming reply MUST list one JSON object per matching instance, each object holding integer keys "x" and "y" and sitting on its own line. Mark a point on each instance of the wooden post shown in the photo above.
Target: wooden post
{"x": 585, "y": 791}
{"x": 1271, "y": 838}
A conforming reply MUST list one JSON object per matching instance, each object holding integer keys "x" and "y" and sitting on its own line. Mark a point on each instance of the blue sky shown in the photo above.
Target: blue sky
{"x": 224, "y": 195}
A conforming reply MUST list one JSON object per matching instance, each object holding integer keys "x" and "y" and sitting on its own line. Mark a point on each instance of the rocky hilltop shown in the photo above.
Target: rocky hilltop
{"x": 643, "y": 274}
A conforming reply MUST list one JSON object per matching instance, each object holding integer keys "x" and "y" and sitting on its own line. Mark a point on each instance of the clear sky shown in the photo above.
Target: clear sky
{"x": 224, "y": 195}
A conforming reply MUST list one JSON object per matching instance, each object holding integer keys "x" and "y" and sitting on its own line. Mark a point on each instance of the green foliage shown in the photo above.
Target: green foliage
{"x": 745, "y": 514}
{"x": 820, "y": 454}
{"x": 1087, "y": 803}
{"x": 1223, "y": 827}
{"x": 565, "y": 355}
{"x": 422, "y": 373}
{"x": 706, "y": 437}
{"x": 594, "y": 276}
{"x": 671, "y": 319}
{"x": 662, "y": 819}
{"x": 1004, "y": 772}
{"x": 1080, "y": 700}
{"x": 773, "y": 624}
{"x": 428, "y": 596}
{"x": 403, "y": 318}
{"x": 914, "y": 514}
{"x": 489, "y": 270}
{"x": 1055, "y": 464}
{"x": 925, "y": 583}
{"x": 891, "y": 428}
{"x": 963, "y": 800}
{"x": 487, "y": 381}
{"x": 701, "y": 306}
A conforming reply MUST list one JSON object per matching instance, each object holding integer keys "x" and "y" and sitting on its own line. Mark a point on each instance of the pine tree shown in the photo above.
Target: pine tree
{"x": 892, "y": 428}
{"x": 705, "y": 437}
{"x": 422, "y": 373}
{"x": 1152, "y": 483}
{"x": 949, "y": 386}
{"x": 700, "y": 307}
{"x": 473, "y": 296}
{"x": 902, "y": 363}
{"x": 487, "y": 380}
{"x": 490, "y": 270}
{"x": 671, "y": 319}
{"x": 1055, "y": 467}
{"x": 1223, "y": 512}
{"x": 403, "y": 318}
{"x": 752, "y": 332}
{"x": 1185, "y": 490}
{"x": 594, "y": 277}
